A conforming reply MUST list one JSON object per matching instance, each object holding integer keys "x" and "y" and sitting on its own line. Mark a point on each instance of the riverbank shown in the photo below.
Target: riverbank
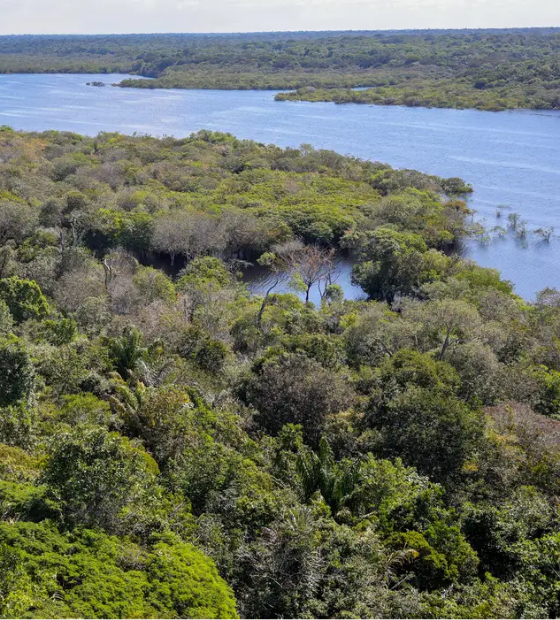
{"x": 490, "y": 70}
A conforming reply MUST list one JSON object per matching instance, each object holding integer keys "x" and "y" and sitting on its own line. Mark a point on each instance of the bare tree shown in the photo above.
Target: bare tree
{"x": 307, "y": 265}
{"x": 120, "y": 267}
{"x": 281, "y": 262}
{"x": 314, "y": 265}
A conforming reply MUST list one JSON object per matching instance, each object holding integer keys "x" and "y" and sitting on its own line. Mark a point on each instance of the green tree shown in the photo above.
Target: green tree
{"x": 17, "y": 221}
{"x": 18, "y": 425}
{"x": 87, "y": 574}
{"x": 185, "y": 583}
{"x": 391, "y": 263}
{"x": 24, "y": 299}
{"x": 17, "y": 373}
{"x": 6, "y": 320}
{"x": 446, "y": 323}
{"x": 16, "y": 587}
{"x": 204, "y": 270}
{"x": 410, "y": 368}
{"x": 295, "y": 389}
{"x": 59, "y": 331}
{"x": 429, "y": 430}
{"x": 160, "y": 417}
{"x": 154, "y": 285}
{"x": 101, "y": 479}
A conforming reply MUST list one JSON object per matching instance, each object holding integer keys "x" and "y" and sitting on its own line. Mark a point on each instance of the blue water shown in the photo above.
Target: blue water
{"x": 511, "y": 158}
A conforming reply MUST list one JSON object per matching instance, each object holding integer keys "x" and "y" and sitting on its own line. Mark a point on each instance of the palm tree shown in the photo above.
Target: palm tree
{"x": 127, "y": 351}
{"x": 336, "y": 481}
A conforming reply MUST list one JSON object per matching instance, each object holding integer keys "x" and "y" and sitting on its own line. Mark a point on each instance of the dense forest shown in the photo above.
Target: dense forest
{"x": 484, "y": 69}
{"x": 173, "y": 446}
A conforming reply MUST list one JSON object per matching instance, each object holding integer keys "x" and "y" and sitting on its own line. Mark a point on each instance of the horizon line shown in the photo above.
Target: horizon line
{"x": 261, "y": 32}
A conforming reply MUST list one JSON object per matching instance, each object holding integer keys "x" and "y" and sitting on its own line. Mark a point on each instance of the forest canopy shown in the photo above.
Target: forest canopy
{"x": 174, "y": 446}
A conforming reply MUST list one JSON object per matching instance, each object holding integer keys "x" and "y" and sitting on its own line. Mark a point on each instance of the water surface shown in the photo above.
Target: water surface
{"x": 511, "y": 158}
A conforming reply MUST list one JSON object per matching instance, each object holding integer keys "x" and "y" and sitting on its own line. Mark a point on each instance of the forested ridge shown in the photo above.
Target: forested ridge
{"x": 483, "y": 69}
{"x": 173, "y": 446}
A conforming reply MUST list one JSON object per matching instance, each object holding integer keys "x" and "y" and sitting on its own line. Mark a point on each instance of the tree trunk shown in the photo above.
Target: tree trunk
{"x": 265, "y": 303}
{"x": 445, "y": 346}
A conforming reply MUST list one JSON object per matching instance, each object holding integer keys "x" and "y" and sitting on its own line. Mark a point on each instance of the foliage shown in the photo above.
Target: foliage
{"x": 294, "y": 389}
{"x": 435, "y": 433}
{"x": 126, "y": 352}
{"x": 101, "y": 479}
{"x": 187, "y": 582}
{"x": 23, "y": 298}
{"x": 165, "y": 433}
{"x": 17, "y": 374}
{"x": 89, "y": 574}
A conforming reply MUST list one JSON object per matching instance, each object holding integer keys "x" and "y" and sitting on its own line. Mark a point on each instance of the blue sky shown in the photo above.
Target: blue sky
{"x": 106, "y": 16}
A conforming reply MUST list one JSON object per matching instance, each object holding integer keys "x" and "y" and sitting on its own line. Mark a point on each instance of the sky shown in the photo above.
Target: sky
{"x": 118, "y": 16}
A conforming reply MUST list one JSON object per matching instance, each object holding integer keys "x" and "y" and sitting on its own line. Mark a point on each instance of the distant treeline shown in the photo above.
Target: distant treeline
{"x": 485, "y": 69}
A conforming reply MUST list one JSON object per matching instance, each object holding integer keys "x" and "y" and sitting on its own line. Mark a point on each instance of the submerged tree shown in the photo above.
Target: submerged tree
{"x": 313, "y": 266}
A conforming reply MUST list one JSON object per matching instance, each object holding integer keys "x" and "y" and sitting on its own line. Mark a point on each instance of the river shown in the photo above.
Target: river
{"x": 511, "y": 158}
